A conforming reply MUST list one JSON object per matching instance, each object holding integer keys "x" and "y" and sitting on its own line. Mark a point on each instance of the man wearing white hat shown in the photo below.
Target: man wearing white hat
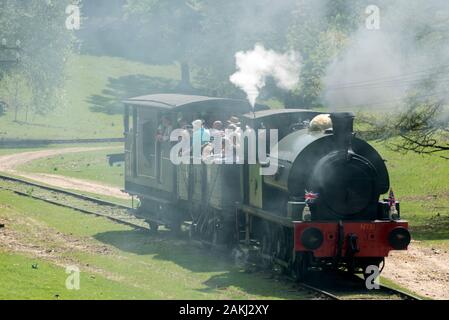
{"x": 199, "y": 133}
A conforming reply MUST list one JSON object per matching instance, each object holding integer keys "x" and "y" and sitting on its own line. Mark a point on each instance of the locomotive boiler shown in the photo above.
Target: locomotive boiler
{"x": 321, "y": 208}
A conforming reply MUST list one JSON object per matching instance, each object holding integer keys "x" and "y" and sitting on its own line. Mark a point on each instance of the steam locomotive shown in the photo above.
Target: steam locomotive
{"x": 320, "y": 209}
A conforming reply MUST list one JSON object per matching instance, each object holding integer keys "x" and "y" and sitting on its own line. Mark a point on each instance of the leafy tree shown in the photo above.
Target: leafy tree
{"x": 231, "y": 26}
{"x": 204, "y": 35}
{"x": 45, "y": 44}
{"x": 321, "y": 30}
{"x": 168, "y": 29}
{"x": 420, "y": 122}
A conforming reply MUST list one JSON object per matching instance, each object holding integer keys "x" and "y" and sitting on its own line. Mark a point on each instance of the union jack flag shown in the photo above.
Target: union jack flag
{"x": 310, "y": 196}
{"x": 391, "y": 199}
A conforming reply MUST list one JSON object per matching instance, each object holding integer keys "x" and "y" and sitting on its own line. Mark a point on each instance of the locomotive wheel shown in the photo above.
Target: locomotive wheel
{"x": 266, "y": 250}
{"x": 301, "y": 266}
{"x": 281, "y": 244}
{"x": 281, "y": 251}
{"x": 266, "y": 245}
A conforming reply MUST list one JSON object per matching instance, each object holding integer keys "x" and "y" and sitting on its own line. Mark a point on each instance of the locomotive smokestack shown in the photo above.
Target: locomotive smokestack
{"x": 343, "y": 129}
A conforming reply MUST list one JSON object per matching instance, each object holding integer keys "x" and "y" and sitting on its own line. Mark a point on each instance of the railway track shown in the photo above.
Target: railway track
{"x": 385, "y": 293}
{"x": 333, "y": 286}
{"x": 321, "y": 292}
{"x": 63, "y": 198}
{"x": 340, "y": 285}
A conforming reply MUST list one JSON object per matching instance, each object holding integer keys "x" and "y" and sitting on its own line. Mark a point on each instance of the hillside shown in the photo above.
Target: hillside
{"x": 94, "y": 88}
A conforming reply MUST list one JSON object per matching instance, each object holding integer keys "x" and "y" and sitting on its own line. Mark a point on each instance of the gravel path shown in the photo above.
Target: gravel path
{"x": 422, "y": 269}
{"x": 9, "y": 164}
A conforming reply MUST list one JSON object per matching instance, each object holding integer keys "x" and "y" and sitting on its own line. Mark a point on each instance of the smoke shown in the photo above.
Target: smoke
{"x": 379, "y": 68}
{"x": 256, "y": 65}
{"x": 360, "y": 76}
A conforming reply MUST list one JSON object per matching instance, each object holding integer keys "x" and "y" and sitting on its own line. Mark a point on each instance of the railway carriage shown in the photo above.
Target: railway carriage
{"x": 320, "y": 209}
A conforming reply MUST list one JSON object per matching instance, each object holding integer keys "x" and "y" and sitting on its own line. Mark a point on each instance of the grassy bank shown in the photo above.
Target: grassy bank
{"x": 421, "y": 183}
{"x": 115, "y": 260}
{"x": 94, "y": 88}
{"x": 92, "y": 166}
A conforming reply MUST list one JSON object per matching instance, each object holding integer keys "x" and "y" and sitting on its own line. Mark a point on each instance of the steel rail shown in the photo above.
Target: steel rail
{"x": 72, "y": 194}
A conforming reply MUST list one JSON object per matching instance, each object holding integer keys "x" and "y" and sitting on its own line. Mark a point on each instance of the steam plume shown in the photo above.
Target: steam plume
{"x": 256, "y": 65}
{"x": 379, "y": 68}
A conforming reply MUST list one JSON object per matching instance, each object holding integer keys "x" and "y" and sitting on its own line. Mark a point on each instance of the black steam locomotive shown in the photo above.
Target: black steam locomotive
{"x": 319, "y": 208}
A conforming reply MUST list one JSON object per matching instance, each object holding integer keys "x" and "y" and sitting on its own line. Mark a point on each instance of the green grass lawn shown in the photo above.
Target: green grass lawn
{"x": 85, "y": 165}
{"x": 421, "y": 184}
{"x": 20, "y": 280}
{"x": 94, "y": 89}
{"x": 116, "y": 262}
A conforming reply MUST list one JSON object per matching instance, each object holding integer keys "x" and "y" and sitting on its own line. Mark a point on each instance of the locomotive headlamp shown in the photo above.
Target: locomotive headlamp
{"x": 399, "y": 238}
{"x": 312, "y": 238}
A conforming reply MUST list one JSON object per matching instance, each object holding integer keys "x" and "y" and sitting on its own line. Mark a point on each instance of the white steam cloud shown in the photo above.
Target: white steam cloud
{"x": 379, "y": 68}
{"x": 256, "y": 65}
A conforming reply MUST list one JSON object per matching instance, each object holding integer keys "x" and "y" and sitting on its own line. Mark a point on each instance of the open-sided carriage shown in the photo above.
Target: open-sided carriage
{"x": 171, "y": 194}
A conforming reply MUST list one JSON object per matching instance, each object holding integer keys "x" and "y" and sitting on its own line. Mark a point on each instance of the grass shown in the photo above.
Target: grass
{"x": 391, "y": 284}
{"x": 84, "y": 165}
{"x": 115, "y": 260}
{"x": 421, "y": 184}
{"x": 90, "y": 165}
{"x": 94, "y": 88}
{"x": 20, "y": 280}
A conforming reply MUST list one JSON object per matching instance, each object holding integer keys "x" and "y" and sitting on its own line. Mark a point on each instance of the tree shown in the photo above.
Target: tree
{"x": 420, "y": 122}
{"x": 168, "y": 29}
{"x": 321, "y": 30}
{"x": 204, "y": 35}
{"x": 45, "y": 44}
{"x": 421, "y": 127}
{"x": 424, "y": 130}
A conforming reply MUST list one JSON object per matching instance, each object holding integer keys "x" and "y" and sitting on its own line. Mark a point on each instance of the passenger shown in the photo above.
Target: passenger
{"x": 234, "y": 131}
{"x": 234, "y": 122}
{"x": 182, "y": 123}
{"x": 200, "y": 134}
{"x": 208, "y": 153}
{"x": 218, "y": 125}
{"x": 164, "y": 130}
{"x": 217, "y": 130}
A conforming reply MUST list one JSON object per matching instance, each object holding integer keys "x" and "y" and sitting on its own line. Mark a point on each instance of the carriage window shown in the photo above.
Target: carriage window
{"x": 148, "y": 140}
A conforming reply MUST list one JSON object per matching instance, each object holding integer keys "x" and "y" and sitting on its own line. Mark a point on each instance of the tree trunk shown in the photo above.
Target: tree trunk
{"x": 185, "y": 86}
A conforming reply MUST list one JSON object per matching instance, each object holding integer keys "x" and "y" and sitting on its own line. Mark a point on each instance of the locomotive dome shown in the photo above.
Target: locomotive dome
{"x": 321, "y": 122}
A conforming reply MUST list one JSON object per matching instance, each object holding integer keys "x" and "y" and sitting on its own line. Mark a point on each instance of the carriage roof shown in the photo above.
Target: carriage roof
{"x": 274, "y": 112}
{"x": 181, "y": 102}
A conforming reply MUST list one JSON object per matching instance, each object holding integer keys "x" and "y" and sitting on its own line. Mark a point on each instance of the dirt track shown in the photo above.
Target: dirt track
{"x": 424, "y": 270}
{"x": 9, "y": 163}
